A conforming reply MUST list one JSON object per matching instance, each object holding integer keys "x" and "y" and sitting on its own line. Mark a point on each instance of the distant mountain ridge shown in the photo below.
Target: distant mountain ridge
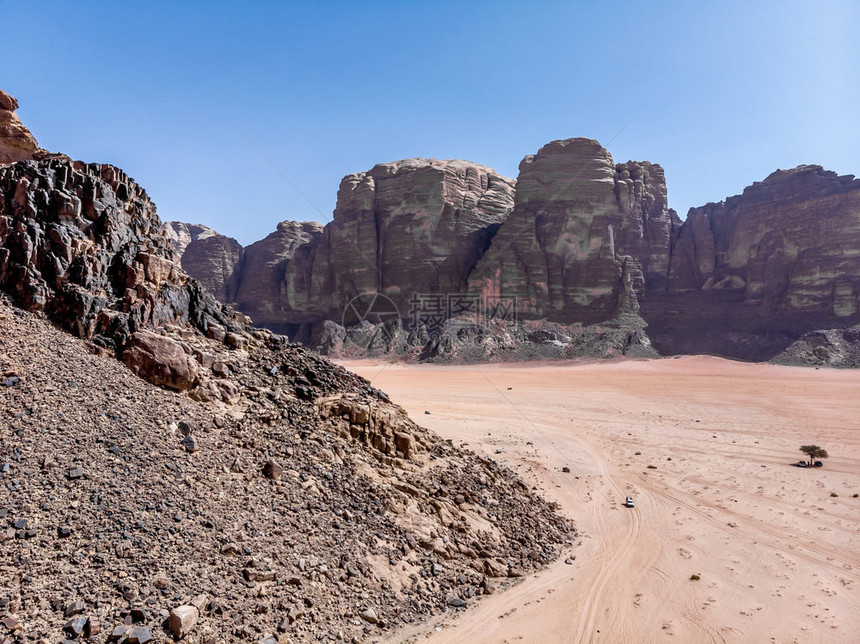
{"x": 594, "y": 259}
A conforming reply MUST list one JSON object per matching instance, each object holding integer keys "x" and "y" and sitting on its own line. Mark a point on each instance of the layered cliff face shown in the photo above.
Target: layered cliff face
{"x": 751, "y": 273}
{"x": 412, "y": 226}
{"x": 576, "y": 240}
{"x": 214, "y": 260}
{"x": 584, "y": 232}
{"x": 263, "y": 284}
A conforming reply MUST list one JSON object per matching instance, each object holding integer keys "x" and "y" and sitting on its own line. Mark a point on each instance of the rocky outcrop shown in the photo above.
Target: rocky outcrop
{"x": 748, "y": 275}
{"x": 412, "y": 226}
{"x": 826, "y": 348}
{"x": 583, "y": 232}
{"x": 215, "y": 261}
{"x": 82, "y": 242}
{"x": 212, "y": 259}
{"x": 262, "y": 291}
{"x": 577, "y": 241}
{"x": 181, "y": 234}
{"x": 16, "y": 142}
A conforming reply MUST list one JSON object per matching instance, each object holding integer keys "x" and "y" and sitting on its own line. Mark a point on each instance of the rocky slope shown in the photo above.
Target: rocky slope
{"x": 308, "y": 508}
{"x": 260, "y": 493}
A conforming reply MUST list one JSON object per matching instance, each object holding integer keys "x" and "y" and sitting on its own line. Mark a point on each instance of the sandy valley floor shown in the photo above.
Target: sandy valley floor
{"x": 705, "y": 447}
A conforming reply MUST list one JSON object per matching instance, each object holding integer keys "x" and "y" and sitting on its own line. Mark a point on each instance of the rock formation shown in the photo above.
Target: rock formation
{"x": 215, "y": 261}
{"x": 82, "y": 242}
{"x": 577, "y": 241}
{"x": 750, "y": 274}
{"x": 181, "y": 234}
{"x": 298, "y": 497}
{"x": 412, "y": 226}
{"x": 262, "y": 291}
{"x": 212, "y": 259}
{"x": 583, "y": 232}
{"x": 16, "y": 142}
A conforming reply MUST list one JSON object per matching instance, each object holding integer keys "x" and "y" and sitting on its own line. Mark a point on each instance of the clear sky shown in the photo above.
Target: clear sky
{"x": 719, "y": 93}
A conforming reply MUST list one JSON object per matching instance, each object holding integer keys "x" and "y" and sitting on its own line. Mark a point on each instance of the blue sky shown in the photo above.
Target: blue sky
{"x": 720, "y": 94}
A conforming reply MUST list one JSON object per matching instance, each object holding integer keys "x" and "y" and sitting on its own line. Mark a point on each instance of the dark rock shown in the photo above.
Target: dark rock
{"x": 139, "y": 635}
{"x": 272, "y": 469}
{"x": 190, "y": 443}
{"x": 75, "y": 627}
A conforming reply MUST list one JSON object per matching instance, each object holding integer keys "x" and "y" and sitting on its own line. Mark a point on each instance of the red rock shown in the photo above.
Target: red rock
{"x": 160, "y": 360}
{"x": 753, "y": 272}
{"x": 182, "y": 620}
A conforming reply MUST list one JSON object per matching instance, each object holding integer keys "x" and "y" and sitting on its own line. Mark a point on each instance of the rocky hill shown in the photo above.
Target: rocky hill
{"x": 215, "y": 481}
{"x": 579, "y": 256}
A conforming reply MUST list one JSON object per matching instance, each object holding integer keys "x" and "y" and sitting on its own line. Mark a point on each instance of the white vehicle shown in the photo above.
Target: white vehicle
{"x": 628, "y": 502}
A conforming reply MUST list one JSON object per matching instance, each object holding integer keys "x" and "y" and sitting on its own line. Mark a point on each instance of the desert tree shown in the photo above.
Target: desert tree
{"x": 814, "y": 452}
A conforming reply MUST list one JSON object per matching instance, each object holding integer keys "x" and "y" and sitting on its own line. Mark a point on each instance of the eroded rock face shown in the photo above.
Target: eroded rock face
{"x": 262, "y": 291}
{"x": 181, "y": 234}
{"x": 751, "y": 273}
{"x": 215, "y": 261}
{"x": 83, "y": 243}
{"x": 588, "y": 242}
{"x": 16, "y": 142}
{"x": 583, "y": 232}
{"x": 412, "y": 226}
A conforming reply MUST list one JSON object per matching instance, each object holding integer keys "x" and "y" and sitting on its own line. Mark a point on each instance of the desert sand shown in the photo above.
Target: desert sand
{"x": 706, "y": 448}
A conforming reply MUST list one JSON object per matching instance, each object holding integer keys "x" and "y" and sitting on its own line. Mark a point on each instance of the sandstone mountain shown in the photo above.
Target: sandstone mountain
{"x": 583, "y": 233}
{"x": 584, "y": 251}
{"x": 752, "y": 273}
{"x": 259, "y": 492}
{"x": 413, "y": 226}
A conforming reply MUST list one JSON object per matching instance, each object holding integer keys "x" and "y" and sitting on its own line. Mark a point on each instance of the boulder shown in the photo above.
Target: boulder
{"x": 182, "y": 620}
{"x": 160, "y": 360}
